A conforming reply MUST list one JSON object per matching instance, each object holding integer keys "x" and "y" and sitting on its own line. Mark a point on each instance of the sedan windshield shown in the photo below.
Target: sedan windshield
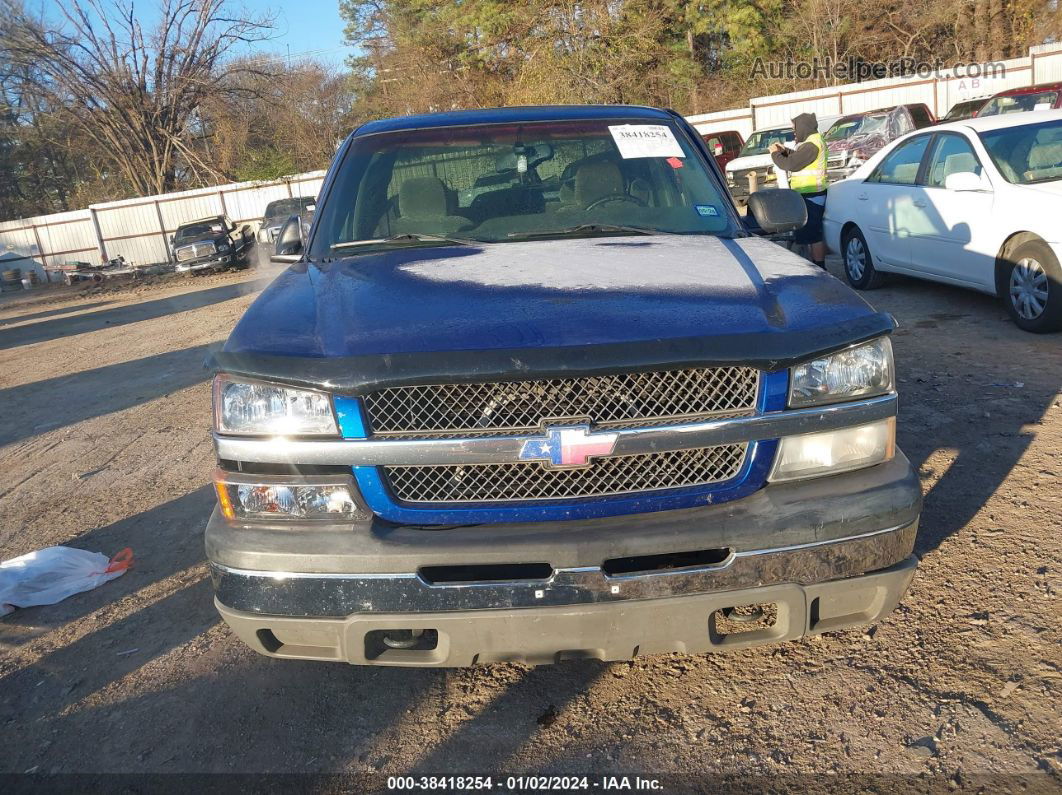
{"x": 759, "y": 142}
{"x": 498, "y": 183}
{"x": 1027, "y": 154}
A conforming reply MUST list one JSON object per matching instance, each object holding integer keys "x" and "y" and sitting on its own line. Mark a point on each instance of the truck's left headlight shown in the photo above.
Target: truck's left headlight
{"x": 258, "y": 408}
{"x": 863, "y": 370}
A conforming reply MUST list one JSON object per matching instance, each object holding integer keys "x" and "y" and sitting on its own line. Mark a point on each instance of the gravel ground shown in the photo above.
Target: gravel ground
{"x": 104, "y": 444}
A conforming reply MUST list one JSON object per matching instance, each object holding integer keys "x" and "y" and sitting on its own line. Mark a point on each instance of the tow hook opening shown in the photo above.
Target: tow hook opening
{"x": 380, "y": 642}
{"x": 746, "y": 618}
{"x": 642, "y": 564}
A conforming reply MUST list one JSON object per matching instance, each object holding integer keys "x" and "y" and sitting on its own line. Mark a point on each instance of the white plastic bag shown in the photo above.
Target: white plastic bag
{"x": 50, "y": 575}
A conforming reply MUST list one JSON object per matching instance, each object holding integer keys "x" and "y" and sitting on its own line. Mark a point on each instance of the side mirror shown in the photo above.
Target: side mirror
{"x": 289, "y": 242}
{"x": 173, "y": 238}
{"x": 778, "y": 210}
{"x": 965, "y": 181}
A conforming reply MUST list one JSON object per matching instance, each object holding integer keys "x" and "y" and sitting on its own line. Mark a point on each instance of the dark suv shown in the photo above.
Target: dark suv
{"x": 211, "y": 244}
{"x": 279, "y": 211}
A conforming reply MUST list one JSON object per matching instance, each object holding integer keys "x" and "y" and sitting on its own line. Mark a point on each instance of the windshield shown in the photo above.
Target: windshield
{"x": 761, "y": 141}
{"x": 283, "y": 209}
{"x": 1042, "y": 100}
{"x": 964, "y": 110}
{"x": 1027, "y": 154}
{"x": 842, "y": 129}
{"x": 199, "y": 231}
{"x": 502, "y": 182}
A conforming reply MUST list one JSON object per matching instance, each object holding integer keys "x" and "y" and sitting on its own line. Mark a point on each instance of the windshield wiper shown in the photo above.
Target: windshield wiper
{"x": 408, "y": 237}
{"x": 581, "y": 229}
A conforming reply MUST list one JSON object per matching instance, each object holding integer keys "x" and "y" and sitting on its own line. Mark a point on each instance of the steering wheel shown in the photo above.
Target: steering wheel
{"x": 615, "y": 197}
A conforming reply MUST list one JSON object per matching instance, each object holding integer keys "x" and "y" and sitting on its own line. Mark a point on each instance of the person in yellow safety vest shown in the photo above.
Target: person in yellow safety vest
{"x": 806, "y": 166}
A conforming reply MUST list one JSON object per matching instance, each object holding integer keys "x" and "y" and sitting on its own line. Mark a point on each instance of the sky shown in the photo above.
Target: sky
{"x": 311, "y": 28}
{"x": 308, "y": 26}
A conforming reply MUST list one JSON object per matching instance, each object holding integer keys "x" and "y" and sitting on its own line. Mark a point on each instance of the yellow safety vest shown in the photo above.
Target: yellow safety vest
{"x": 812, "y": 178}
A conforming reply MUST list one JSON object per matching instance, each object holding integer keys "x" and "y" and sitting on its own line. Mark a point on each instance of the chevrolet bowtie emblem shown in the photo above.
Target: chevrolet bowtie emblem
{"x": 568, "y": 447}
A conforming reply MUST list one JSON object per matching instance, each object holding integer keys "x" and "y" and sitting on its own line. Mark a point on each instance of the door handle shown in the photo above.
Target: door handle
{"x": 862, "y": 197}
{"x": 918, "y": 203}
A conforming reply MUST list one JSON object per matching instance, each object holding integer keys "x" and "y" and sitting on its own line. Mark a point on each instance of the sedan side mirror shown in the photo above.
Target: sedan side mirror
{"x": 965, "y": 181}
{"x": 289, "y": 242}
{"x": 778, "y": 210}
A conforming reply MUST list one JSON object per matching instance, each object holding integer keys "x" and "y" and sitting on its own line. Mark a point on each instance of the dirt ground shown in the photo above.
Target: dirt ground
{"x": 104, "y": 414}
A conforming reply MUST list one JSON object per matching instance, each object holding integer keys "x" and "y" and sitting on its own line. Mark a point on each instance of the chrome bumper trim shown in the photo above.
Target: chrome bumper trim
{"x": 506, "y": 449}
{"x": 334, "y": 594}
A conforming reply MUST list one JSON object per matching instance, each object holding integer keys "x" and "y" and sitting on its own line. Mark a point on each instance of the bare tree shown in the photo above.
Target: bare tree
{"x": 136, "y": 93}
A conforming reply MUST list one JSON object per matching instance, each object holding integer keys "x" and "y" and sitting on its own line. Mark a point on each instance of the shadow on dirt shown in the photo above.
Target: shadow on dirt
{"x": 122, "y": 315}
{"x": 63, "y": 310}
{"x": 41, "y": 406}
{"x": 962, "y": 362}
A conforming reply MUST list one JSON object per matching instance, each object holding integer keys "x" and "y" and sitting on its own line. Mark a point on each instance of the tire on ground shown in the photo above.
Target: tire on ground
{"x": 859, "y": 271}
{"x": 1030, "y": 286}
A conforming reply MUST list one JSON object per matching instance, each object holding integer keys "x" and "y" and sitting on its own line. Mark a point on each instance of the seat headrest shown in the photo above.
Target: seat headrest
{"x": 597, "y": 179}
{"x": 960, "y": 162}
{"x": 423, "y": 197}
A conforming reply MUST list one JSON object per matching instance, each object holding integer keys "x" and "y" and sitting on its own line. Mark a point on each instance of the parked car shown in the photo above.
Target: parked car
{"x": 1046, "y": 96}
{"x": 755, "y": 157}
{"x": 853, "y": 139}
{"x": 966, "y": 109}
{"x": 724, "y": 146}
{"x": 211, "y": 244}
{"x": 598, "y": 424}
{"x": 279, "y": 211}
{"x": 974, "y": 203}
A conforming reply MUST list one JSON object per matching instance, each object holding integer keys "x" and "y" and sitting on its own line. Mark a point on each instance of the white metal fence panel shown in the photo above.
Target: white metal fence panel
{"x": 48, "y": 240}
{"x": 308, "y": 184}
{"x": 245, "y": 205}
{"x": 721, "y": 121}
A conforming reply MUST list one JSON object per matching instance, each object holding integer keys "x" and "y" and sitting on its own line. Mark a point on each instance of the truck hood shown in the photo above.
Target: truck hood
{"x": 750, "y": 161}
{"x": 540, "y": 308}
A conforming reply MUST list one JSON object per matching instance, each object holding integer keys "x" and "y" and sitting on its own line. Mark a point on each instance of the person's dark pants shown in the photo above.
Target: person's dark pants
{"x": 811, "y": 232}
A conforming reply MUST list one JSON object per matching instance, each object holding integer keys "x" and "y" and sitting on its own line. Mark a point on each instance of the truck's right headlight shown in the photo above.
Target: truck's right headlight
{"x": 863, "y": 370}
{"x": 259, "y": 408}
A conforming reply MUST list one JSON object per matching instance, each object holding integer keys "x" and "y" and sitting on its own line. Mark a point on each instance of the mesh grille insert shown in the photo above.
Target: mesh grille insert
{"x": 610, "y": 401}
{"x": 533, "y": 481}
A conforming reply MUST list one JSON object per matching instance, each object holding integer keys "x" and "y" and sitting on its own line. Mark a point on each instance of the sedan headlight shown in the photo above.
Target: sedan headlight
{"x": 863, "y": 370}
{"x": 223, "y": 247}
{"x": 254, "y": 407}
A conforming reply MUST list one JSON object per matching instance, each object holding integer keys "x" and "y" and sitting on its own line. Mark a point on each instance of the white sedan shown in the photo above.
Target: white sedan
{"x": 974, "y": 203}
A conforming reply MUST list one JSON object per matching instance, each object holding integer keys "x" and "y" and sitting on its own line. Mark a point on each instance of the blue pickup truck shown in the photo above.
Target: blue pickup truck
{"x": 530, "y": 389}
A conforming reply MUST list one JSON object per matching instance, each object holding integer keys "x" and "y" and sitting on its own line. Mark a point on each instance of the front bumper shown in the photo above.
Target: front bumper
{"x": 213, "y": 263}
{"x": 320, "y": 592}
{"x": 617, "y": 630}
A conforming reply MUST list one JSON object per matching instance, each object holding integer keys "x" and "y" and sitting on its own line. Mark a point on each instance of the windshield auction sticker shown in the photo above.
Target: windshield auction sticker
{"x": 645, "y": 140}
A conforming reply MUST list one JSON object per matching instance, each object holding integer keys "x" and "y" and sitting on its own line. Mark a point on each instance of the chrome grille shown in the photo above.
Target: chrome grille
{"x": 607, "y": 401}
{"x": 533, "y": 481}
{"x": 194, "y": 251}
